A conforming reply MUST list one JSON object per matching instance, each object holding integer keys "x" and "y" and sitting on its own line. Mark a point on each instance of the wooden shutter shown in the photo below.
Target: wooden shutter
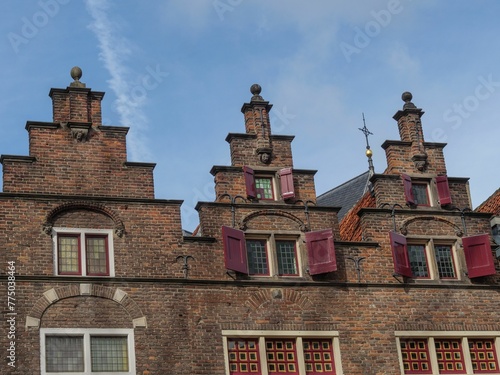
{"x": 400, "y": 254}
{"x": 235, "y": 252}
{"x": 321, "y": 252}
{"x": 443, "y": 190}
{"x": 286, "y": 179}
{"x": 478, "y": 256}
{"x": 249, "y": 182}
{"x": 408, "y": 190}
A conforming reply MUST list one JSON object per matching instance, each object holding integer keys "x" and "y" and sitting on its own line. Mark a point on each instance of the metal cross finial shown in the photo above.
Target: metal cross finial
{"x": 369, "y": 152}
{"x": 366, "y": 132}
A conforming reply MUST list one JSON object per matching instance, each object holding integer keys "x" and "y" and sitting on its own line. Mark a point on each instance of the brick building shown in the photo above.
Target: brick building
{"x": 105, "y": 280}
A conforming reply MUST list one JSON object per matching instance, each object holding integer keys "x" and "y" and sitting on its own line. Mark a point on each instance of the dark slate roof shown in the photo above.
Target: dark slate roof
{"x": 345, "y": 195}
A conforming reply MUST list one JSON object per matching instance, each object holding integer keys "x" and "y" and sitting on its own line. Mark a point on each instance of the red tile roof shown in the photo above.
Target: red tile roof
{"x": 491, "y": 205}
{"x": 350, "y": 229}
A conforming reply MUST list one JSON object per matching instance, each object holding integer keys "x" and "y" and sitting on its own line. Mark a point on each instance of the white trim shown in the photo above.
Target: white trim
{"x": 462, "y": 335}
{"x": 86, "y": 333}
{"x": 299, "y": 335}
{"x": 82, "y": 232}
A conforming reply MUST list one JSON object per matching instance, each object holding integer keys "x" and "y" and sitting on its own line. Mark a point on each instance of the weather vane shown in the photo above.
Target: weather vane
{"x": 369, "y": 152}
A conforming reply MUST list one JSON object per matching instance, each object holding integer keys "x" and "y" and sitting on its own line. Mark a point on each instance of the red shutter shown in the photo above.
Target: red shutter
{"x": 235, "y": 252}
{"x": 443, "y": 190}
{"x": 321, "y": 252}
{"x": 286, "y": 178}
{"x": 249, "y": 182}
{"x": 408, "y": 190}
{"x": 400, "y": 254}
{"x": 478, "y": 256}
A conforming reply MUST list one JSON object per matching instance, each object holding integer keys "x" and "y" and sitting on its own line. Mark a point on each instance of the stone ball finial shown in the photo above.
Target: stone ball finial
{"x": 76, "y": 73}
{"x": 407, "y": 96}
{"x": 255, "y": 89}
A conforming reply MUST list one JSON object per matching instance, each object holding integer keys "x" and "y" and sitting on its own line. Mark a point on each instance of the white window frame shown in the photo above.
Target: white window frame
{"x": 271, "y": 249}
{"x": 87, "y": 333}
{"x": 82, "y": 232}
{"x": 462, "y": 335}
{"x": 429, "y": 245}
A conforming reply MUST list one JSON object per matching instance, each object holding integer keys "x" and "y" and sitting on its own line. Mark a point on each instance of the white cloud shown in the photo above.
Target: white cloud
{"x": 400, "y": 59}
{"x": 114, "y": 51}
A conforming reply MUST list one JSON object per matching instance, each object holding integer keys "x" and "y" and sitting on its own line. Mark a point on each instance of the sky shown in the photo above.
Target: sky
{"x": 178, "y": 71}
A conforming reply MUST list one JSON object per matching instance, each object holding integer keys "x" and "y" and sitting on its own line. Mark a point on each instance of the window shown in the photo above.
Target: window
{"x": 277, "y": 254}
{"x": 442, "y": 264}
{"x": 448, "y": 352}
{"x": 418, "y": 192}
{"x": 261, "y": 184}
{"x": 272, "y": 256}
{"x": 85, "y": 252}
{"x": 281, "y": 352}
{"x": 437, "y": 258}
{"x": 264, "y": 188}
{"x": 87, "y": 351}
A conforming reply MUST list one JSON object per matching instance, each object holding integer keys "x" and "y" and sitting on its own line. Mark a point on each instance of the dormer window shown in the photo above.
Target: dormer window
{"x": 262, "y": 184}
{"x": 418, "y": 191}
{"x": 421, "y": 193}
{"x": 264, "y": 188}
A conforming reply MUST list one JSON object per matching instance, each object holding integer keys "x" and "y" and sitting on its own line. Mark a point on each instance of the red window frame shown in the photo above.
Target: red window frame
{"x": 59, "y": 258}
{"x": 414, "y": 186}
{"x": 450, "y": 356}
{"x": 296, "y": 261}
{"x": 282, "y": 356}
{"x": 82, "y": 247}
{"x": 426, "y": 260}
{"x": 266, "y": 252}
{"x": 483, "y": 356}
{"x": 452, "y": 259}
{"x": 415, "y": 355}
{"x": 243, "y": 355}
{"x": 106, "y": 245}
{"x": 260, "y": 191}
{"x": 318, "y": 360}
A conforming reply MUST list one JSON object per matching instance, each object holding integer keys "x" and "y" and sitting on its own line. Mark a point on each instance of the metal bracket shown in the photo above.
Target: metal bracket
{"x": 393, "y": 213}
{"x": 233, "y": 208}
{"x": 462, "y": 216}
{"x": 306, "y": 210}
{"x": 396, "y": 275}
{"x": 185, "y": 266}
{"x": 357, "y": 261}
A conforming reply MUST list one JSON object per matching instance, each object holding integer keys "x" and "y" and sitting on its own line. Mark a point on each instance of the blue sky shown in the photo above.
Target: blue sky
{"x": 178, "y": 71}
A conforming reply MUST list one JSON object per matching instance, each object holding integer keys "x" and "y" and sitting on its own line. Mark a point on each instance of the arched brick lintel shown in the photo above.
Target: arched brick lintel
{"x": 244, "y": 222}
{"x": 404, "y": 227}
{"x": 53, "y": 295}
{"x": 49, "y": 220}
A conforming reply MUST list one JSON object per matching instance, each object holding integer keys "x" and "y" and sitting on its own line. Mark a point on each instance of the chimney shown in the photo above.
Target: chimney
{"x": 410, "y": 130}
{"x": 257, "y": 122}
{"x": 77, "y": 105}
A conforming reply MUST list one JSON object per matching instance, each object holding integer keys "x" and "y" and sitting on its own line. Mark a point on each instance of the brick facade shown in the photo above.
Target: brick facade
{"x": 77, "y": 178}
